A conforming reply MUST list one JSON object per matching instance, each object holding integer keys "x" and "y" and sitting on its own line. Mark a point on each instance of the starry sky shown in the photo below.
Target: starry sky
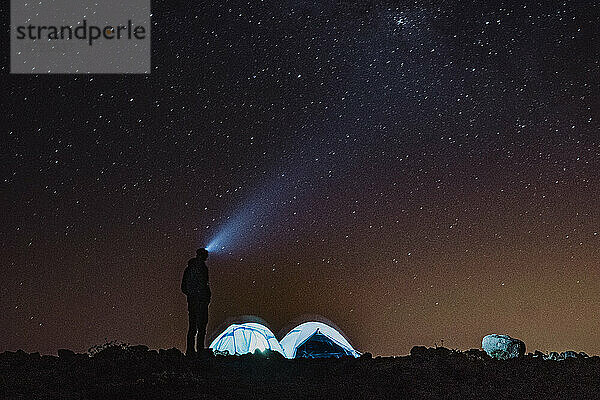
{"x": 412, "y": 171}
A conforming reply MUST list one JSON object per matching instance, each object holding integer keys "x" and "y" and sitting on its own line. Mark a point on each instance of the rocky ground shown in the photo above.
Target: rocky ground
{"x": 435, "y": 373}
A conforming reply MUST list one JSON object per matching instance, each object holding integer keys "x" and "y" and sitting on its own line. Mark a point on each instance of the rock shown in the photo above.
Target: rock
{"x": 170, "y": 354}
{"x": 418, "y": 351}
{"x": 430, "y": 352}
{"x": 476, "y": 354}
{"x": 112, "y": 353}
{"x": 140, "y": 348}
{"x": 65, "y": 354}
{"x": 22, "y": 355}
{"x": 555, "y": 356}
{"x": 503, "y": 347}
{"x": 442, "y": 351}
{"x": 139, "y": 352}
{"x": 7, "y": 356}
{"x": 16, "y": 356}
{"x": 538, "y": 354}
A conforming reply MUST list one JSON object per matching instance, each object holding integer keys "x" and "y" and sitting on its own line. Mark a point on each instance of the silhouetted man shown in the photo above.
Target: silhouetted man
{"x": 195, "y": 286}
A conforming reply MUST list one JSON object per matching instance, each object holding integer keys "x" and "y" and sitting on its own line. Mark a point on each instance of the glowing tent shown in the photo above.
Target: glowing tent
{"x": 316, "y": 340}
{"x": 245, "y": 338}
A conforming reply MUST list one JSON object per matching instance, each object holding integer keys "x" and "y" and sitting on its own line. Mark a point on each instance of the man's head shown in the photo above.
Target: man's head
{"x": 202, "y": 254}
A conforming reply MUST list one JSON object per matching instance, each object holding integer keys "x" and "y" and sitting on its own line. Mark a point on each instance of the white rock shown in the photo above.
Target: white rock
{"x": 554, "y": 356}
{"x": 502, "y": 347}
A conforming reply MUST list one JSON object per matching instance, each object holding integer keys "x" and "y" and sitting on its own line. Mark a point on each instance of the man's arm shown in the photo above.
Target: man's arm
{"x": 184, "y": 281}
{"x": 205, "y": 273}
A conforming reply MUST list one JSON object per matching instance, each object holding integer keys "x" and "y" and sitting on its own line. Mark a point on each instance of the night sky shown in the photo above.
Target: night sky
{"x": 412, "y": 171}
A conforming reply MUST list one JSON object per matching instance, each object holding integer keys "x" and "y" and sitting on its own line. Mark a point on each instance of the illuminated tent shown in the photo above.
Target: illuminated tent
{"x": 316, "y": 340}
{"x": 245, "y": 338}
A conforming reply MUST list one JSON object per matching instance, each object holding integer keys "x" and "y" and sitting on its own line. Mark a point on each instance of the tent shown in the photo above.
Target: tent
{"x": 245, "y": 338}
{"x": 316, "y": 340}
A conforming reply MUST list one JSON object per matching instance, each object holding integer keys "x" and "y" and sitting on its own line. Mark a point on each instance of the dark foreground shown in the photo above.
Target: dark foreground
{"x": 136, "y": 373}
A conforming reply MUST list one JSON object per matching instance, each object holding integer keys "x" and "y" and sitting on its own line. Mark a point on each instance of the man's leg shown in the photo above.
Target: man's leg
{"x": 202, "y": 321}
{"x": 193, "y": 328}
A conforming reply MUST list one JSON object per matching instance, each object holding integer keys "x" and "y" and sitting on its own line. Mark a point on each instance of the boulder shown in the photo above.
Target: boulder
{"x": 14, "y": 356}
{"x": 140, "y": 348}
{"x": 538, "y": 354}
{"x": 503, "y": 347}
{"x": 555, "y": 356}
{"x": 172, "y": 354}
{"x": 418, "y": 351}
{"x": 477, "y": 354}
{"x": 66, "y": 354}
{"x": 223, "y": 353}
{"x": 430, "y": 352}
